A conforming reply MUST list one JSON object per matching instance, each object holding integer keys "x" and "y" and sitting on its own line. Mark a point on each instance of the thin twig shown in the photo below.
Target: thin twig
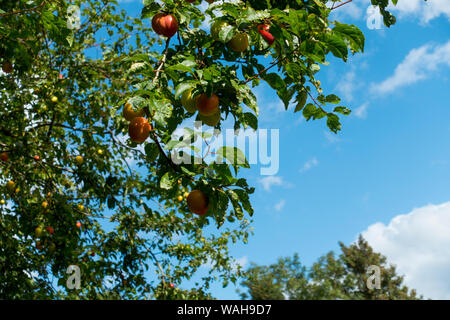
{"x": 338, "y": 6}
{"x": 162, "y": 61}
{"x": 263, "y": 71}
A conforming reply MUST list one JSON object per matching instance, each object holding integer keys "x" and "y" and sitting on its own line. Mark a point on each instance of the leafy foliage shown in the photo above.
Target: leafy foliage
{"x": 111, "y": 205}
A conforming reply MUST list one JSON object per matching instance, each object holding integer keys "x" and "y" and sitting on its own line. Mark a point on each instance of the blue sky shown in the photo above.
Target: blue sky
{"x": 387, "y": 174}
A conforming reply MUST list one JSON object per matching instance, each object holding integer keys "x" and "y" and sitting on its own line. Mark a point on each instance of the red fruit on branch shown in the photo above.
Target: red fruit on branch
{"x": 165, "y": 24}
{"x": 263, "y": 29}
{"x": 139, "y": 129}
{"x": 156, "y": 25}
{"x": 4, "y": 156}
{"x": 50, "y": 229}
{"x": 198, "y": 202}
{"x": 207, "y": 106}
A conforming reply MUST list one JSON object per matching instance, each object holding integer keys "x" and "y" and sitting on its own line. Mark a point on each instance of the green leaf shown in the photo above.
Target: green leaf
{"x": 332, "y": 98}
{"x": 343, "y": 110}
{"x": 179, "y": 67}
{"x": 311, "y": 111}
{"x": 352, "y": 34}
{"x": 337, "y": 46}
{"x": 166, "y": 182}
{"x": 275, "y": 81}
{"x": 294, "y": 71}
{"x": 69, "y": 39}
{"x": 152, "y": 151}
{"x": 161, "y": 110}
{"x": 245, "y": 200}
{"x": 251, "y": 120}
{"x": 235, "y": 202}
{"x": 183, "y": 86}
{"x": 302, "y": 97}
{"x": 333, "y": 122}
{"x": 234, "y": 156}
{"x": 226, "y": 33}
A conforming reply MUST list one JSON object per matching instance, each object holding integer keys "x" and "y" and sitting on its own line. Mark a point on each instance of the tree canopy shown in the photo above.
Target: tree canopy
{"x": 80, "y": 188}
{"x": 331, "y": 277}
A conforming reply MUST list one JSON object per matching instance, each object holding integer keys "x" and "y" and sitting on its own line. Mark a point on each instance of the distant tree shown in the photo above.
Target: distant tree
{"x": 331, "y": 277}
{"x": 286, "y": 279}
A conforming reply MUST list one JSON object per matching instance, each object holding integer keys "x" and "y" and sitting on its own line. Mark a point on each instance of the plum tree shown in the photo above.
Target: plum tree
{"x": 117, "y": 182}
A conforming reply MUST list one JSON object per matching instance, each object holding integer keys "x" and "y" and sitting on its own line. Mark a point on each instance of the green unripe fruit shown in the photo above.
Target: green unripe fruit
{"x": 211, "y": 120}
{"x": 38, "y": 232}
{"x": 216, "y": 27}
{"x": 188, "y": 101}
{"x": 239, "y": 42}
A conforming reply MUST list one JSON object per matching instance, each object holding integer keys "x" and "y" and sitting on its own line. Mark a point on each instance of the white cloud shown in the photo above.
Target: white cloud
{"x": 280, "y": 205}
{"x": 418, "y": 243}
{"x": 270, "y": 181}
{"x": 347, "y": 85}
{"x": 361, "y": 112}
{"x": 418, "y": 65}
{"x": 352, "y": 10}
{"x": 242, "y": 262}
{"x": 309, "y": 165}
{"x": 425, "y": 11}
{"x": 331, "y": 137}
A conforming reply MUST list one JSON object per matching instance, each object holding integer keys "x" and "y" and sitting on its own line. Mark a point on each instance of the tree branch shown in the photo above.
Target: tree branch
{"x": 23, "y": 10}
{"x": 162, "y": 61}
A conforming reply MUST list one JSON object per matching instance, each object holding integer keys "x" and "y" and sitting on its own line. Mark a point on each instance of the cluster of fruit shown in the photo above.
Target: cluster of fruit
{"x": 139, "y": 128}
{"x": 240, "y": 41}
{"x": 197, "y": 200}
{"x": 207, "y": 106}
{"x": 44, "y": 236}
{"x": 40, "y": 234}
{"x": 166, "y": 25}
